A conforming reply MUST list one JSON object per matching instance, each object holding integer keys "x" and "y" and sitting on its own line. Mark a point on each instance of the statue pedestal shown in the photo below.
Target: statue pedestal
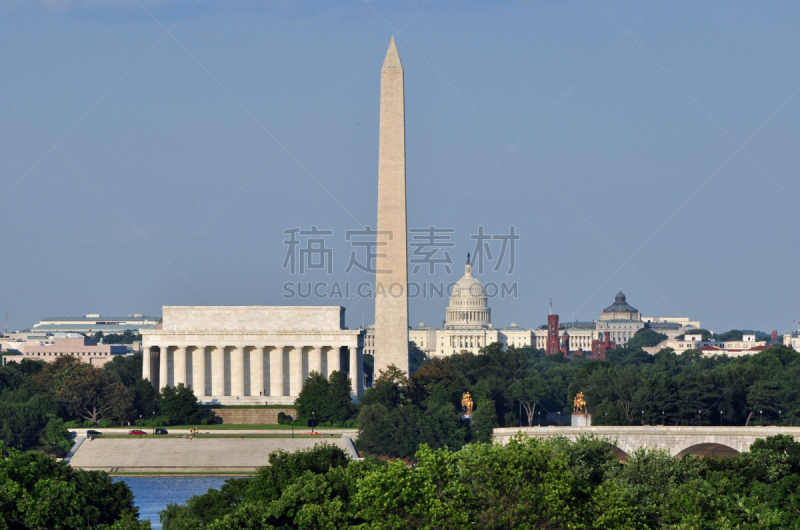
{"x": 582, "y": 420}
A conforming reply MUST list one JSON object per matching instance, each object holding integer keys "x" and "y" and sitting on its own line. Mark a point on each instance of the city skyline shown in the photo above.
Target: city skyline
{"x": 596, "y": 145}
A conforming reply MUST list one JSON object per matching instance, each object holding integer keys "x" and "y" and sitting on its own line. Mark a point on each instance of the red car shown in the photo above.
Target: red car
{"x": 138, "y": 432}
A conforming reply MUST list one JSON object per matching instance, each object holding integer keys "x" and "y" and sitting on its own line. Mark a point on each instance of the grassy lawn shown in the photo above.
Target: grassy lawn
{"x": 181, "y": 474}
{"x": 279, "y": 407}
{"x": 239, "y": 427}
{"x": 219, "y": 427}
{"x": 201, "y": 435}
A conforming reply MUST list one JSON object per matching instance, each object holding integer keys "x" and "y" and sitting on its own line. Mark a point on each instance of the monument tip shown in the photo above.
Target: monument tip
{"x": 392, "y": 57}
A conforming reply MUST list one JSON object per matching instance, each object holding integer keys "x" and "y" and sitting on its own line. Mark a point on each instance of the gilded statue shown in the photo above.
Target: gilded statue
{"x": 467, "y": 404}
{"x": 579, "y": 405}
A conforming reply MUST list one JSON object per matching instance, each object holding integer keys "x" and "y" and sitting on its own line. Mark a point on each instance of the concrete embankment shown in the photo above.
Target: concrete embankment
{"x": 116, "y": 431}
{"x": 183, "y": 455}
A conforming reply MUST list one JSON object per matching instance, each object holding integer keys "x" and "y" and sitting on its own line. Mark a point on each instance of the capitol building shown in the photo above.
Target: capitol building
{"x": 468, "y": 327}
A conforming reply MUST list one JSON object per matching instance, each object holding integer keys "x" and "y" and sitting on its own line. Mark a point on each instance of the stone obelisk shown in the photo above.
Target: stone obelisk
{"x": 391, "y": 278}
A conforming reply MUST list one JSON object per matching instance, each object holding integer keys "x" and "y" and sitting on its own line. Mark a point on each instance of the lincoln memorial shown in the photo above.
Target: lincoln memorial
{"x": 250, "y": 354}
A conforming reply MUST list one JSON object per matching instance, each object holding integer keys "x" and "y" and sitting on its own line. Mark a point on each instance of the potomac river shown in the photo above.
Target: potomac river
{"x": 152, "y": 494}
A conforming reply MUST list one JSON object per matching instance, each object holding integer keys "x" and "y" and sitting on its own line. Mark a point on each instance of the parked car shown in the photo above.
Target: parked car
{"x": 92, "y": 432}
{"x": 137, "y": 432}
{"x": 161, "y": 431}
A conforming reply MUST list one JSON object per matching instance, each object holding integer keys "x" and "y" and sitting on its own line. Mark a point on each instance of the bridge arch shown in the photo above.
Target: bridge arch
{"x": 704, "y": 450}
{"x": 621, "y": 455}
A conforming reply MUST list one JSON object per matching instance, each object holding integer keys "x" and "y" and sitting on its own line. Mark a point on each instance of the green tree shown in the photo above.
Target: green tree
{"x": 55, "y": 437}
{"x": 202, "y": 510}
{"x": 126, "y": 337}
{"x": 440, "y": 426}
{"x": 327, "y": 400}
{"x": 313, "y": 397}
{"x": 179, "y": 405}
{"x": 530, "y": 391}
{"x": 39, "y": 492}
{"x": 20, "y": 425}
{"x": 52, "y": 377}
{"x": 392, "y": 432}
{"x": 646, "y": 337}
{"x": 528, "y": 483}
{"x": 284, "y": 468}
{"x": 144, "y": 398}
{"x": 10, "y": 377}
{"x": 125, "y": 370}
{"x": 92, "y": 395}
{"x": 525, "y": 484}
{"x": 484, "y": 420}
{"x": 415, "y": 357}
{"x": 31, "y": 366}
{"x": 390, "y": 389}
{"x": 625, "y": 356}
{"x": 340, "y": 405}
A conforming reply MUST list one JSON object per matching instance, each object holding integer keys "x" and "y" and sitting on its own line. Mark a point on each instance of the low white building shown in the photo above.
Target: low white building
{"x": 732, "y": 348}
{"x": 792, "y": 340}
{"x": 94, "y": 322}
{"x": 48, "y": 350}
{"x": 250, "y": 354}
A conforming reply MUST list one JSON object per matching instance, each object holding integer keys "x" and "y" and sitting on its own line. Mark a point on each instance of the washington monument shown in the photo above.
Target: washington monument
{"x": 391, "y": 278}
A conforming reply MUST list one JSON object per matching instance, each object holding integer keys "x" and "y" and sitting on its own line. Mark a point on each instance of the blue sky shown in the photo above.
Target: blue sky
{"x": 648, "y": 146}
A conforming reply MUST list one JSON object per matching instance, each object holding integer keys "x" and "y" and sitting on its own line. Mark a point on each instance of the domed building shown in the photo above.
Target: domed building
{"x": 620, "y": 319}
{"x": 620, "y": 310}
{"x": 468, "y": 307}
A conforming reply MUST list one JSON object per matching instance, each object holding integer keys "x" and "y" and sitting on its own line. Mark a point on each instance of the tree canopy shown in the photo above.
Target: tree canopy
{"x": 646, "y": 337}
{"x": 631, "y": 387}
{"x": 179, "y": 405}
{"x": 38, "y": 492}
{"x": 327, "y": 400}
{"x": 528, "y": 483}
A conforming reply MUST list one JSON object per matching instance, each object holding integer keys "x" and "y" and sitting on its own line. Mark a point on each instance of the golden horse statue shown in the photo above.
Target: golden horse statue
{"x": 466, "y": 403}
{"x": 579, "y": 405}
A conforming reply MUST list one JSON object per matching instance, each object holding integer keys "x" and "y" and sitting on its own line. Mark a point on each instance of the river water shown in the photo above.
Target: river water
{"x": 152, "y": 494}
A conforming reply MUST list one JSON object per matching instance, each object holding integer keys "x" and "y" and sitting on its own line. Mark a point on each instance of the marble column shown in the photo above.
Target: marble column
{"x": 257, "y": 371}
{"x": 146, "y": 361}
{"x": 359, "y": 388}
{"x": 199, "y": 371}
{"x": 315, "y": 360}
{"x": 218, "y": 371}
{"x": 352, "y": 372}
{"x": 237, "y": 371}
{"x": 276, "y": 371}
{"x": 334, "y": 361}
{"x": 179, "y": 366}
{"x": 295, "y": 370}
{"x": 163, "y": 378}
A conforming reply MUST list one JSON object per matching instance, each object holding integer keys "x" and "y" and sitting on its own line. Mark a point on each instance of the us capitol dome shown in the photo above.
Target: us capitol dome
{"x": 468, "y": 308}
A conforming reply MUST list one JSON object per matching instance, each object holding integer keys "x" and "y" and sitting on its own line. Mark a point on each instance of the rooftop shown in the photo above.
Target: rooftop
{"x": 620, "y": 305}
{"x": 98, "y": 318}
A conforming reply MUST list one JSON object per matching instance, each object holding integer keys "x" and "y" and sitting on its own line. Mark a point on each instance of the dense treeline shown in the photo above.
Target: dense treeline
{"x": 40, "y": 401}
{"x": 126, "y": 337}
{"x": 529, "y": 483}
{"x": 524, "y": 387}
{"x": 38, "y": 492}
{"x": 691, "y": 389}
